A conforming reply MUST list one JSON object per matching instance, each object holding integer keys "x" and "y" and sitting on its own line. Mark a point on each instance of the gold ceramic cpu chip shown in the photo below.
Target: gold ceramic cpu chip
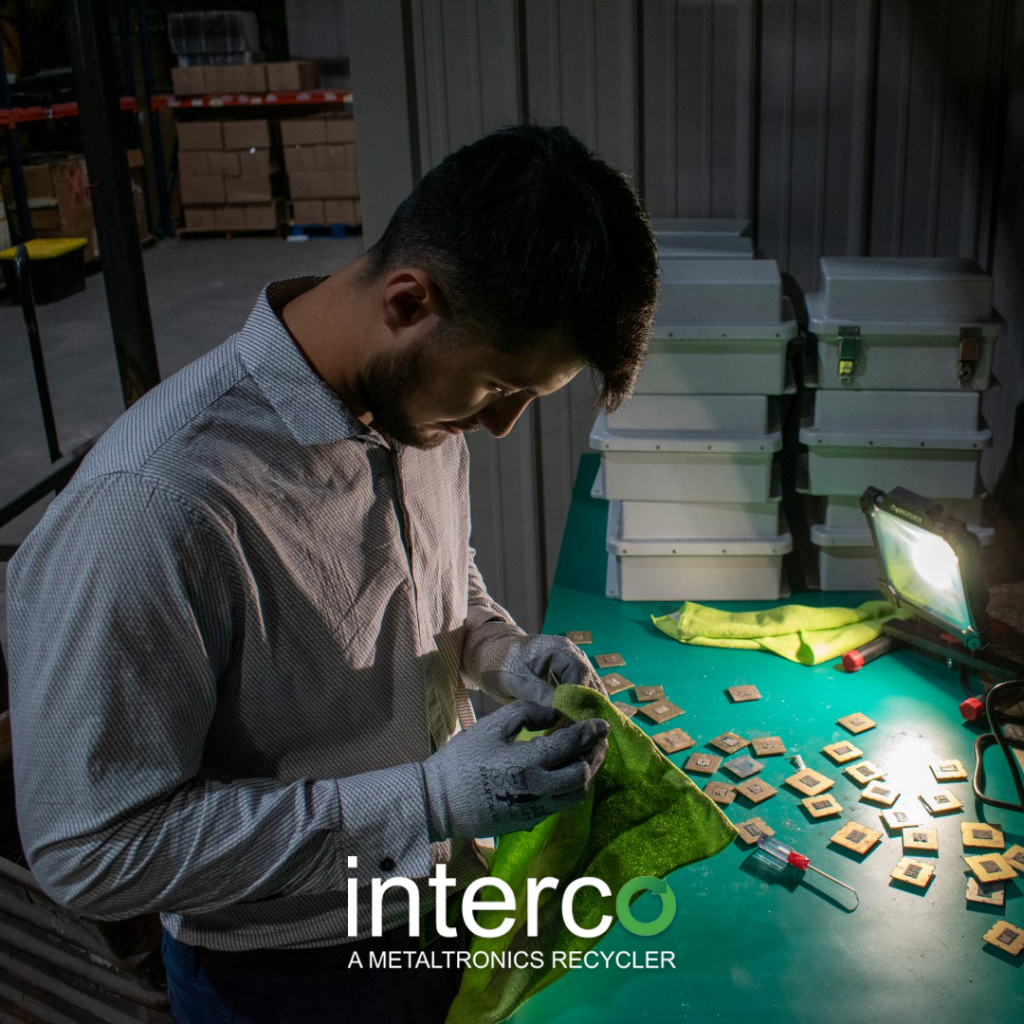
{"x": 703, "y": 764}
{"x": 768, "y": 746}
{"x": 857, "y": 837}
{"x": 743, "y": 766}
{"x": 721, "y": 792}
{"x": 842, "y": 752}
{"x": 980, "y": 834}
{"x": 609, "y": 660}
{"x": 990, "y": 867}
{"x": 920, "y": 840}
{"x": 901, "y": 818}
{"x": 752, "y": 829}
{"x": 809, "y": 782}
{"x": 880, "y": 793}
{"x": 673, "y": 740}
{"x": 579, "y": 636}
{"x": 822, "y": 806}
{"x": 856, "y": 723}
{"x": 755, "y": 790}
{"x": 1014, "y": 856}
{"x": 649, "y": 693}
{"x": 991, "y": 893}
{"x": 729, "y": 742}
{"x": 660, "y": 711}
{"x": 913, "y": 872}
{"x": 864, "y": 771}
{"x": 613, "y": 683}
{"x": 624, "y": 709}
{"x": 949, "y": 771}
{"x": 739, "y": 694}
{"x": 1005, "y": 936}
{"x": 941, "y": 801}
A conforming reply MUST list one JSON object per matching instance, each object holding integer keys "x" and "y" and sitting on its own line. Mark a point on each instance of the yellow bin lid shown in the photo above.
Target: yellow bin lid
{"x": 46, "y": 248}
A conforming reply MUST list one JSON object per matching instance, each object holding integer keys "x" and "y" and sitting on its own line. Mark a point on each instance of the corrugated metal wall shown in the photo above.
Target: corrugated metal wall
{"x": 840, "y": 127}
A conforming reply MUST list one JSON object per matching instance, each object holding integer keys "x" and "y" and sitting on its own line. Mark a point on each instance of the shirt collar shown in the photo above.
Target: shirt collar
{"x": 313, "y": 413}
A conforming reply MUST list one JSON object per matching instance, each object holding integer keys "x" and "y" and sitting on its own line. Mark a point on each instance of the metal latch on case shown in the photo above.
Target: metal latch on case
{"x": 970, "y": 352}
{"x": 849, "y": 350}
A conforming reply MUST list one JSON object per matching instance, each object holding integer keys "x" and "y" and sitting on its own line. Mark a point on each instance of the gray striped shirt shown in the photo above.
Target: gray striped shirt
{"x": 234, "y": 637}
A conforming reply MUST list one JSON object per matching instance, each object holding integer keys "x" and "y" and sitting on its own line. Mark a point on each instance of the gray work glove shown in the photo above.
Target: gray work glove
{"x": 512, "y": 665}
{"x": 484, "y": 783}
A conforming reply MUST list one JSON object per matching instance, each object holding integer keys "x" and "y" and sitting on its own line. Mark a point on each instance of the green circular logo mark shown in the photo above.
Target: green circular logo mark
{"x": 668, "y": 905}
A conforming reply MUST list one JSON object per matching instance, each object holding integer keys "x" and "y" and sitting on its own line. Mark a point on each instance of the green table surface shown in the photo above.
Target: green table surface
{"x": 753, "y": 944}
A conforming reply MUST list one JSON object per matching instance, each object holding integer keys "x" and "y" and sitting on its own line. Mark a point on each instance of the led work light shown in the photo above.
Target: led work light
{"x": 931, "y": 563}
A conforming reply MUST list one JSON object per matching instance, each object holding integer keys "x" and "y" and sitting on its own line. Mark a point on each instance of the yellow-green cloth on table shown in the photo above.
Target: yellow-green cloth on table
{"x": 642, "y": 816}
{"x": 805, "y": 635}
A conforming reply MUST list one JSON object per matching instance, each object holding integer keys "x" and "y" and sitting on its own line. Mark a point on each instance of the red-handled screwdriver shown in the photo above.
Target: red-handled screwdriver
{"x": 788, "y": 855}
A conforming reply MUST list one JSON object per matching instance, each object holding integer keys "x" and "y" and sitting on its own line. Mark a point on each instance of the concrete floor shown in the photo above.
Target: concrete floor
{"x": 199, "y": 293}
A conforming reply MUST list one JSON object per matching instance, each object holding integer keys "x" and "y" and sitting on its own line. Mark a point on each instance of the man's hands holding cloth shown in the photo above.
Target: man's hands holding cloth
{"x": 485, "y": 783}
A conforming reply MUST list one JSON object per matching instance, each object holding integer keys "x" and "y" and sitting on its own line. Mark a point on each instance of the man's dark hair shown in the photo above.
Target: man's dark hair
{"x": 525, "y": 231}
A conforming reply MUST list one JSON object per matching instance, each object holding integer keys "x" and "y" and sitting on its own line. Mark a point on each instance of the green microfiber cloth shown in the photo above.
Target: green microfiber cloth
{"x": 805, "y": 635}
{"x": 642, "y": 816}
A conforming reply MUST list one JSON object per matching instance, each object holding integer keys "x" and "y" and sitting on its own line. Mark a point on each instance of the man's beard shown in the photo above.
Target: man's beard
{"x": 388, "y": 385}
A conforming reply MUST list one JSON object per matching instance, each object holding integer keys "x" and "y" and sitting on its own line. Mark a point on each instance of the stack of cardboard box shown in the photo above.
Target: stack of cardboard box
{"x": 284, "y": 76}
{"x": 59, "y": 199}
{"x": 320, "y": 158}
{"x": 230, "y": 175}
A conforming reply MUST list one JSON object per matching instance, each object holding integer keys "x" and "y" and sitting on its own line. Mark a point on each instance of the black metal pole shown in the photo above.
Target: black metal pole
{"x": 23, "y": 275}
{"x": 124, "y": 35}
{"x": 24, "y": 233}
{"x": 155, "y": 140}
{"x": 103, "y": 140}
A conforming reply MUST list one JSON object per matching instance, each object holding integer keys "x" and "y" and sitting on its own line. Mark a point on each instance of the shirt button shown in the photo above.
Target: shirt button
{"x": 388, "y": 864}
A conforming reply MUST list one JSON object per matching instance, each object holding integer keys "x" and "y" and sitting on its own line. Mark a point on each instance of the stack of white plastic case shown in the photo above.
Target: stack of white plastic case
{"x": 903, "y": 351}
{"x": 703, "y": 238}
{"x": 688, "y": 463}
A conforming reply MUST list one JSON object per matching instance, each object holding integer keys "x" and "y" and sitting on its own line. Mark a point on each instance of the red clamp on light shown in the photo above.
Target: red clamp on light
{"x": 853, "y": 661}
{"x": 972, "y": 709}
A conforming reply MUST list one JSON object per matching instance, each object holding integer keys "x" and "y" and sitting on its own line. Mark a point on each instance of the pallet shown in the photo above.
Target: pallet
{"x": 185, "y": 233}
{"x": 324, "y": 230}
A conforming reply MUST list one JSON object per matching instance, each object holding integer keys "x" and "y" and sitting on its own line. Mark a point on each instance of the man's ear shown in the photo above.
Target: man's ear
{"x": 410, "y": 298}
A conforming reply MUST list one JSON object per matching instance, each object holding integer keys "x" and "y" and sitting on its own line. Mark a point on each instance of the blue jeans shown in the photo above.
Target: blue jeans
{"x": 314, "y": 986}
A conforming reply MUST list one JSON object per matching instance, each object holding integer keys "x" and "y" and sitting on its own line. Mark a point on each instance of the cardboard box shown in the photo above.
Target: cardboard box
{"x": 193, "y": 163}
{"x": 265, "y": 216}
{"x": 304, "y": 131}
{"x": 300, "y": 158}
{"x": 45, "y": 219}
{"x": 342, "y": 211}
{"x": 254, "y": 161}
{"x": 189, "y": 81}
{"x": 200, "y": 135}
{"x": 137, "y": 171}
{"x": 337, "y": 157}
{"x": 224, "y": 163}
{"x": 257, "y": 188}
{"x": 324, "y": 185}
{"x": 229, "y": 218}
{"x": 206, "y": 191}
{"x": 200, "y": 218}
{"x": 236, "y": 78}
{"x": 308, "y": 211}
{"x": 292, "y": 76}
{"x": 247, "y": 134}
{"x": 341, "y": 129}
{"x": 58, "y": 189}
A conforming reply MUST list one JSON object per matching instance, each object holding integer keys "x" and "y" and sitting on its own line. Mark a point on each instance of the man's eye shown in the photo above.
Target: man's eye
{"x": 500, "y": 391}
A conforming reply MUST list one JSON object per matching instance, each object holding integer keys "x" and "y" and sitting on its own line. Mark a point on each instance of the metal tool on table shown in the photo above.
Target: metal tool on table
{"x": 787, "y": 855}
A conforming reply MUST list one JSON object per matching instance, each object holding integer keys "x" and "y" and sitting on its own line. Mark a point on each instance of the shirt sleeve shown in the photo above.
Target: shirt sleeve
{"x": 120, "y": 621}
{"x": 490, "y": 630}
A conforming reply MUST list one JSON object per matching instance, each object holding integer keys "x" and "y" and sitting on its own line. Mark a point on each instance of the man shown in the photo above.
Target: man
{"x": 238, "y": 636}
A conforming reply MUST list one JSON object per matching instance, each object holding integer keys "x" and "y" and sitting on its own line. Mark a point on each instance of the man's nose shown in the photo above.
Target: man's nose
{"x": 499, "y": 417}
